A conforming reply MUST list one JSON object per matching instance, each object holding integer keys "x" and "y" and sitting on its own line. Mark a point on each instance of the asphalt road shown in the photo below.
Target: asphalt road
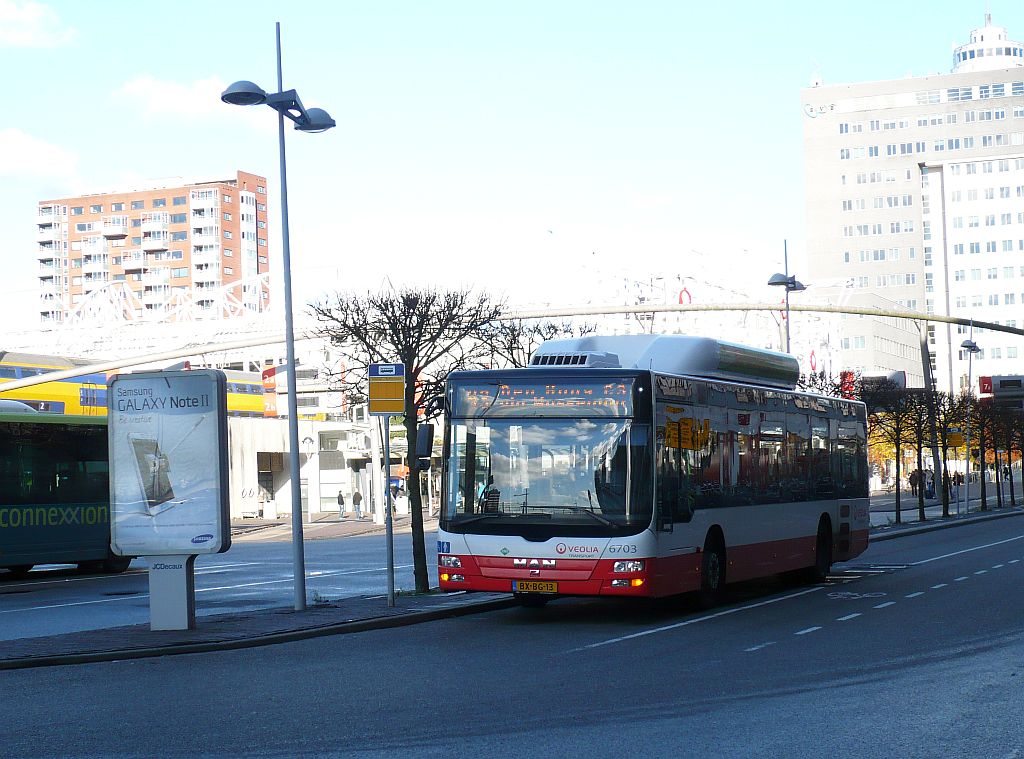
{"x": 253, "y": 574}
{"x": 914, "y": 650}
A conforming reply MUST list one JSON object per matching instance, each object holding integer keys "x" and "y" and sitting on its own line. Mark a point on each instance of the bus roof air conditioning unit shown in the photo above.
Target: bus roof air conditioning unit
{"x": 587, "y": 359}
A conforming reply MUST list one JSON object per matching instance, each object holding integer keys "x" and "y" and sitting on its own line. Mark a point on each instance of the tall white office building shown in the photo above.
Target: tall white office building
{"x": 915, "y": 194}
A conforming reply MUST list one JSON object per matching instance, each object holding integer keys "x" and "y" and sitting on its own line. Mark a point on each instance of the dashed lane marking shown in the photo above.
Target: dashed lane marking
{"x": 848, "y": 617}
{"x": 760, "y": 646}
{"x": 940, "y": 585}
{"x": 967, "y": 550}
{"x": 882, "y": 606}
{"x": 997, "y": 566}
{"x": 959, "y": 579}
{"x": 808, "y": 630}
{"x": 914, "y": 595}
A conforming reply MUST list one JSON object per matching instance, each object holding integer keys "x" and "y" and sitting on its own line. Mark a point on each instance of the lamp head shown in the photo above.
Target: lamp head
{"x": 244, "y": 92}
{"x": 317, "y": 120}
{"x": 970, "y": 345}
{"x": 779, "y": 280}
{"x": 797, "y": 286}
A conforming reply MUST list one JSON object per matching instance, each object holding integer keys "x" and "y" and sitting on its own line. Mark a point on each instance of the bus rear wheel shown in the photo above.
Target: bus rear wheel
{"x": 822, "y": 554}
{"x": 712, "y": 573}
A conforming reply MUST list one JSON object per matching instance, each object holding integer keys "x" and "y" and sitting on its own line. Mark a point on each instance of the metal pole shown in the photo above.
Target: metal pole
{"x": 298, "y": 558}
{"x": 785, "y": 264}
{"x": 967, "y": 437}
{"x": 389, "y": 529}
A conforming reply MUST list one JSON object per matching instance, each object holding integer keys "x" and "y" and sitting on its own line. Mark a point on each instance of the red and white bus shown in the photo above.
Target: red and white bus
{"x": 645, "y": 466}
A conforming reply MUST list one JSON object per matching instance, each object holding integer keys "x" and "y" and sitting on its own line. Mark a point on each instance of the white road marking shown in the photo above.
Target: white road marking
{"x": 666, "y": 628}
{"x": 967, "y": 550}
{"x": 1013, "y": 561}
{"x": 848, "y": 617}
{"x": 981, "y": 571}
{"x": 914, "y": 595}
{"x": 759, "y": 647}
{"x": 77, "y": 603}
{"x": 882, "y": 606}
{"x": 940, "y": 585}
{"x": 959, "y": 579}
{"x": 997, "y": 566}
{"x": 808, "y": 630}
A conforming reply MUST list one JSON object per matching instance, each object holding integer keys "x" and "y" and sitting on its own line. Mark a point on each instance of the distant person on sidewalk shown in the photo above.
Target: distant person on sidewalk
{"x": 357, "y": 501}
{"x": 341, "y": 504}
{"x": 915, "y": 477}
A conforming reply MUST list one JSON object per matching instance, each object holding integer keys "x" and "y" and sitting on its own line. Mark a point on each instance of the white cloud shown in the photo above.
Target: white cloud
{"x": 25, "y": 157}
{"x": 29, "y": 24}
{"x": 186, "y": 102}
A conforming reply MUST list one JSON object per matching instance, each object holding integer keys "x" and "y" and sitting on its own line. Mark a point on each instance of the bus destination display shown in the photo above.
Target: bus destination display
{"x": 552, "y": 398}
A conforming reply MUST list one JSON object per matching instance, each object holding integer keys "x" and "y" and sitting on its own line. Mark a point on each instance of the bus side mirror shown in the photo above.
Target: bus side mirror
{"x": 424, "y": 445}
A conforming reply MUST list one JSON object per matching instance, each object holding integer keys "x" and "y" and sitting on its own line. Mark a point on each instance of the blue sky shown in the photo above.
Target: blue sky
{"x": 516, "y": 147}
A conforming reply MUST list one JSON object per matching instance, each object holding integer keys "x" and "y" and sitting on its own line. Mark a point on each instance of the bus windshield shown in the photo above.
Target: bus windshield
{"x": 587, "y": 476}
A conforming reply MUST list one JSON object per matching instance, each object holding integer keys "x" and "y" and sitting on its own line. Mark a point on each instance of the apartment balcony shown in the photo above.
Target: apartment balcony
{"x": 205, "y": 257}
{"x": 95, "y": 264}
{"x": 49, "y": 286}
{"x": 205, "y": 199}
{"x": 153, "y": 242}
{"x": 156, "y": 278}
{"x": 48, "y": 269}
{"x": 48, "y": 233}
{"x": 115, "y": 227}
{"x": 205, "y": 238}
{"x": 155, "y": 222}
{"x": 155, "y": 295}
{"x": 133, "y": 259}
{"x": 50, "y": 214}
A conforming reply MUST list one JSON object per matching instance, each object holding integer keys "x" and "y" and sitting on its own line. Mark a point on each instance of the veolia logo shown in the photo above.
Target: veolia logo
{"x": 198, "y": 539}
{"x": 563, "y": 548}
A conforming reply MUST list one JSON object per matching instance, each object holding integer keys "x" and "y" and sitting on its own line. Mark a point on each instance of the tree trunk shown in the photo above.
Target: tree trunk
{"x": 898, "y": 457}
{"x": 942, "y": 481}
{"x": 419, "y": 551}
{"x": 921, "y": 516}
{"x": 981, "y": 470}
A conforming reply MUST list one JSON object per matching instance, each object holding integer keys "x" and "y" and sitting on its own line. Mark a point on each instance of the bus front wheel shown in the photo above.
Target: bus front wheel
{"x": 818, "y": 573}
{"x": 712, "y": 572}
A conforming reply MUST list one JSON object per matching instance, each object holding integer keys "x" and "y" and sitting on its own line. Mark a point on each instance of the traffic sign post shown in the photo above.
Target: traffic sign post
{"x": 387, "y": 397}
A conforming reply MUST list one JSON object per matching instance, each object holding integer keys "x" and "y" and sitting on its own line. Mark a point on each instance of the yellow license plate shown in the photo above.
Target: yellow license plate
{"x": 532, "y": 586}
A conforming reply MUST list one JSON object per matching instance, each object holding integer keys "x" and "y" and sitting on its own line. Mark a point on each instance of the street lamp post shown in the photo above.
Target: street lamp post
{"x": 971, "y": 347}
{"x": 287, "y": 103}
{"x": 789, "y": 282}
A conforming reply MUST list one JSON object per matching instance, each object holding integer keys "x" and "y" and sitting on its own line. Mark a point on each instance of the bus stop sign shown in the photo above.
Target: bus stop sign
{"x": 387, "y": 389}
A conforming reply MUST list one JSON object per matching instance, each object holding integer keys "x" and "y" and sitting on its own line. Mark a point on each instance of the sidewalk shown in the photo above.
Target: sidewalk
{"x": 349, "y": 615}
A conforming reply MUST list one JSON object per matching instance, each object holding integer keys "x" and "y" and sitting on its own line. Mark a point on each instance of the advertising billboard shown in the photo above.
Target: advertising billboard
{"x": 167, "y": 438}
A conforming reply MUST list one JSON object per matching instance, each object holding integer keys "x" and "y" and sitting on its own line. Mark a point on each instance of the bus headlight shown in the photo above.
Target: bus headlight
{"x": 632, "y": 565}
{"x": 449, "y": 561}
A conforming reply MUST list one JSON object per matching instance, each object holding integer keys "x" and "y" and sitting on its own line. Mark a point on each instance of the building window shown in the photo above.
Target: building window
{"x": 179, "y": 218}
{"x": 227, "y": 234}
{"x": 96, "y": 208}
{"x": 159, "y": 202}
{"x": 138, "y": 205}
{"x": 117, "y": 206}
{"x": 228, "y": 252}
{"x": 77, "y": 210}
{"x": 227, "y": 198}
{"x": 228, "y": 270}
{"x": 227, "y": 216}
{"x": 180, "y": 200}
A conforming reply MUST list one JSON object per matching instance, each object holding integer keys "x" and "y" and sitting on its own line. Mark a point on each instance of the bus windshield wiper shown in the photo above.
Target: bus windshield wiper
{"x": 591, "y": 514}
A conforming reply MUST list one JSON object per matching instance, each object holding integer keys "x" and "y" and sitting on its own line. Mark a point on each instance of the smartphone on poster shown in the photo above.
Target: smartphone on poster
{"x": 153, "y": 468}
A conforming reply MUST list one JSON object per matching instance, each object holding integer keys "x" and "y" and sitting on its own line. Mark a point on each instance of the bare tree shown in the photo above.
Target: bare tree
{"x": 823, "y": 383}
{"x": 920, "y": 433}
{"x": 515, "y": 340}
{"x": 949, "y": 411}
{"x": 432, "y": 333}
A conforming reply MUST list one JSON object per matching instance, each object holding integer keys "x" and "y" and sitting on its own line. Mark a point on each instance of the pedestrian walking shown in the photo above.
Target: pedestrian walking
{"x": 357, "y": 501}
{"x": 341, "y": 504}
{"x": 915, "y": 477}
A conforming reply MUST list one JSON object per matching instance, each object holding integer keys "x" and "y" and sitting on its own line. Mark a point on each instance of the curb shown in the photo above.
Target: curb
{"x": 339, "y": 628}
{"x": 899, "y": 532}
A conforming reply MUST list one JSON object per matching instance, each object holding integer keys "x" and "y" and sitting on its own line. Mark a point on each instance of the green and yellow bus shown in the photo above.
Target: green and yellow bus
{"x": 54, "y": 492}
